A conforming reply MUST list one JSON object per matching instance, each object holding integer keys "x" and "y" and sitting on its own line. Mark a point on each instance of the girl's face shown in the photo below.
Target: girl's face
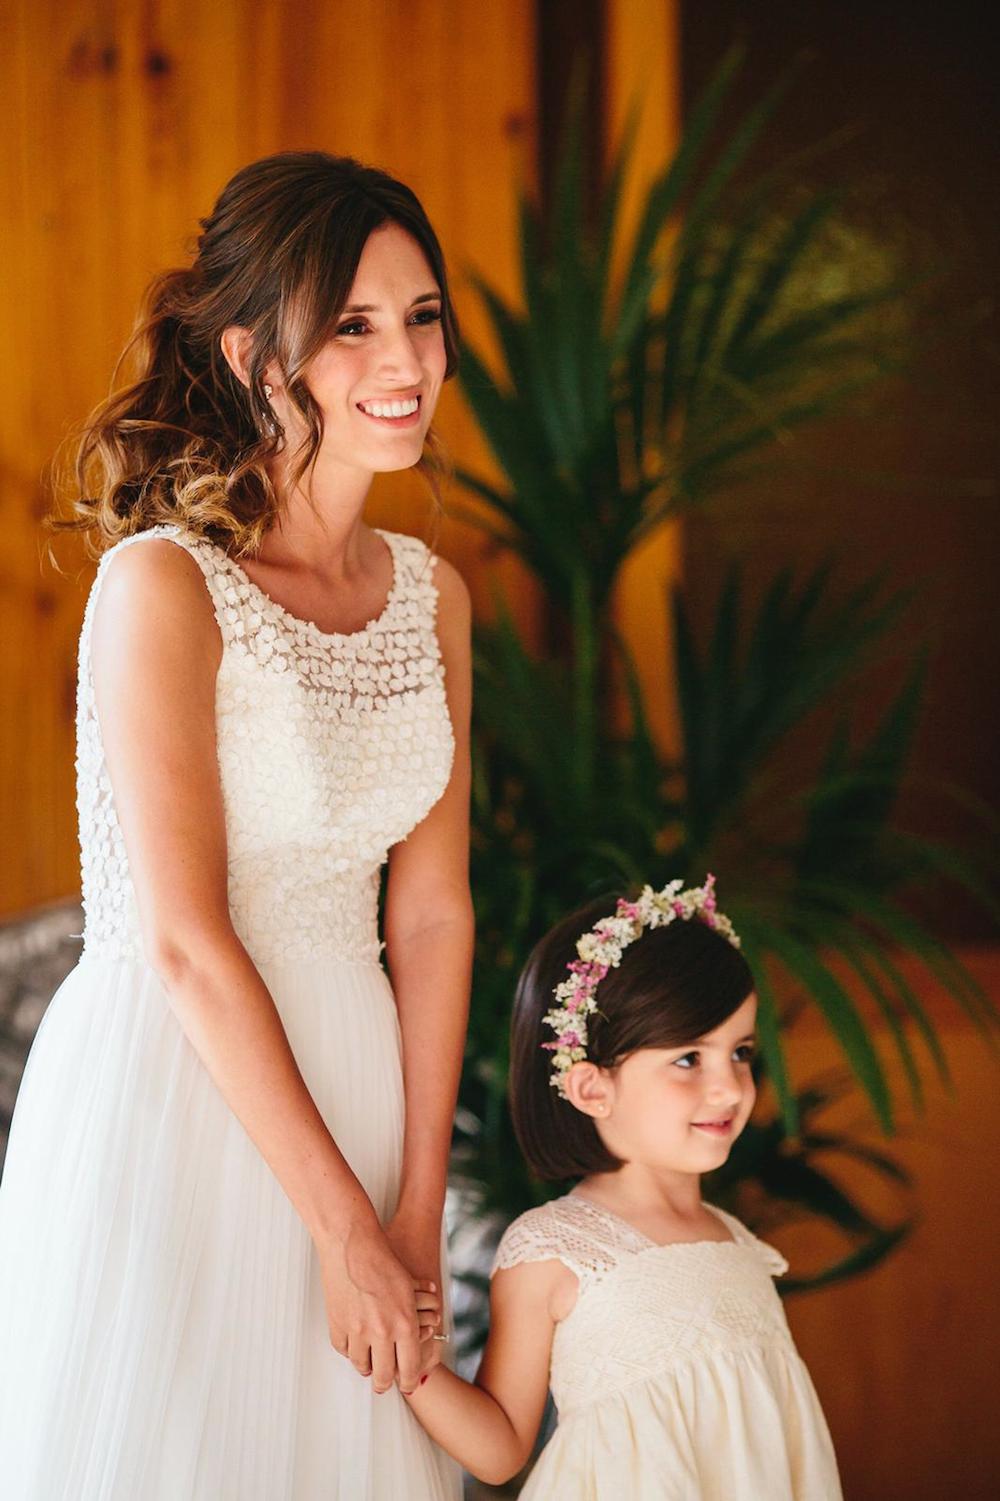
{"x": 682, "y": 1108}
{"x": 387, "y": 347}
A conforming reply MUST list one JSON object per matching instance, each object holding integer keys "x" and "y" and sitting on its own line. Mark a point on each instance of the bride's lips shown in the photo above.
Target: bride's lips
{"x": 410, "y": 420}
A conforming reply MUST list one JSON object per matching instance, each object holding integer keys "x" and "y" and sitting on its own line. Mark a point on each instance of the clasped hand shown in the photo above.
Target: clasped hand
{"x": 380, "y": 1316}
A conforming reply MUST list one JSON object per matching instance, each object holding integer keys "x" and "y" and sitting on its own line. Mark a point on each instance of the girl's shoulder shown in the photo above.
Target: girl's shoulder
{"x": 568, "y": 1230}
{"x": 772, "y": 1258}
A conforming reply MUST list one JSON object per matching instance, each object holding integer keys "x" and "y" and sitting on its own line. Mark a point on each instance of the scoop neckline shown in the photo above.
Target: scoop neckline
{"x": 301, "y": 622}
{"x": 658, "y": 1245}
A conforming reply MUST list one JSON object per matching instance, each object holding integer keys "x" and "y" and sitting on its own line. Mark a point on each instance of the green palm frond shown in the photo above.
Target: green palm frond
{"x": 757, "y": 680}
{"x": 623, "y": 399}
{"x": 608, "y": 416}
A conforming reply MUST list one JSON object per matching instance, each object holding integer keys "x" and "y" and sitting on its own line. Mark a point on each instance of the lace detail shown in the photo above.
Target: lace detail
{"x": 331, "y": 749}
{"x": 642, "y": 1308}
{"x": 572, "y": 1230}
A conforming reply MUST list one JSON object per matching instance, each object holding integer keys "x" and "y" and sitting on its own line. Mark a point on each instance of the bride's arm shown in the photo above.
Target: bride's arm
{"x": 155, "y": 656}
{"x": 429, "y": 937}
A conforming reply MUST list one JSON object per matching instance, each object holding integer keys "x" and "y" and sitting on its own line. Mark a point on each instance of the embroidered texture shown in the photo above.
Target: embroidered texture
{"x": 644, "y": 1309}
{"x": 331, "y": 749}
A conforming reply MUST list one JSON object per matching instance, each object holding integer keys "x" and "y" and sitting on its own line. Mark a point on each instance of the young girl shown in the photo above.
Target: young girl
{"x": 650, "y": 1314}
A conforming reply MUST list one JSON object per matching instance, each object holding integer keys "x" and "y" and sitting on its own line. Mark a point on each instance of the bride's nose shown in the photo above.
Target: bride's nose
{"x": 397, "y": 355}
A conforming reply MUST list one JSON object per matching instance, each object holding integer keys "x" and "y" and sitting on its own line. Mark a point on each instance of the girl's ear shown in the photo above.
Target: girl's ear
{"x": 589, "y": 1089}
{"x": 236, "y": 344}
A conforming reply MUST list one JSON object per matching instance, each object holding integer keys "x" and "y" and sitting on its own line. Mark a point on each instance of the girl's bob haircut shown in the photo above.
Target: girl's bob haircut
{"x": 674, "y": 985}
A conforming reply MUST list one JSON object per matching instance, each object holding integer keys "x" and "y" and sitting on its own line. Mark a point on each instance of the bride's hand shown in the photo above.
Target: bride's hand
{"x": 372, "y": 1306}
{"x": 415, "y": 1238}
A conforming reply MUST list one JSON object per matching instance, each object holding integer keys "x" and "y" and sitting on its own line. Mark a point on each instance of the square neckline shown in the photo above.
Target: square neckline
{"x": 658, "y": 1245}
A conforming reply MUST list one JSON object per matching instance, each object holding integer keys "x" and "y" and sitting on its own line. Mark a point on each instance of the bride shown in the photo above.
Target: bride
{"x": 221, "y": 1221}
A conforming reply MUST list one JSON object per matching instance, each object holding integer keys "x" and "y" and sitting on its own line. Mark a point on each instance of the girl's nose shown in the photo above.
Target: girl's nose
{"x": 725, "y": 1087}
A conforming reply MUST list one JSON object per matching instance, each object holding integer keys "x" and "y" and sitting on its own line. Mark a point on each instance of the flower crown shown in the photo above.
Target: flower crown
{"x": 601, "y": 949}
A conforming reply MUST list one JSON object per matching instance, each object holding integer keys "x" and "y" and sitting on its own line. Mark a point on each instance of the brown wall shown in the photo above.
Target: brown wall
{"x": 121, "y": 123}
{"x": 904, "y": 96}
{"x": 904, "y": 1357}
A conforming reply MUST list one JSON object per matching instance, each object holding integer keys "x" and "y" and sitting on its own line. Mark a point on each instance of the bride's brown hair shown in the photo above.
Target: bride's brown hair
{"x": 186, "y": 441}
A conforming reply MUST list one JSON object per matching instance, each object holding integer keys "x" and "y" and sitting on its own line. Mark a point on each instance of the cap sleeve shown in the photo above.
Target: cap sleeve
{"x": 771, "y": 1258}
{"x": 533, "y": 1236}
{"x": 563, "y": 1230}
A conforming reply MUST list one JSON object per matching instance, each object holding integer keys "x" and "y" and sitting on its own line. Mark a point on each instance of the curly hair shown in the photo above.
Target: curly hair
{"x": 186, "y": 441}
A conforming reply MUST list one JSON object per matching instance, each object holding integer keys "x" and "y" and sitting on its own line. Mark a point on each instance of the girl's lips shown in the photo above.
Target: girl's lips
{"x": 714, "y": 1128}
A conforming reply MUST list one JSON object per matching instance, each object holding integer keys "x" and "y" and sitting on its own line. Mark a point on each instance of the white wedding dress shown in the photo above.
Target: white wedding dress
{"x": 162, "y": 1327}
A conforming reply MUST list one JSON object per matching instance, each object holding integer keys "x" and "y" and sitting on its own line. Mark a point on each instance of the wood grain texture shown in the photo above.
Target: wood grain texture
{"x": 641, "y": 69}
{"x": 123, "y": 120}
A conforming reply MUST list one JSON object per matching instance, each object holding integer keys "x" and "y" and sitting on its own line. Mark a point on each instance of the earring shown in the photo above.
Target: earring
{"x": 268, "y": 392}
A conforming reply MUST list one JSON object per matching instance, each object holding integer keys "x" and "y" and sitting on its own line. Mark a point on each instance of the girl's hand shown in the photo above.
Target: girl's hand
{"x": 416, "y": 1240}
{"x": 428, "y": 1301}
{"x": 371, "y": 1306}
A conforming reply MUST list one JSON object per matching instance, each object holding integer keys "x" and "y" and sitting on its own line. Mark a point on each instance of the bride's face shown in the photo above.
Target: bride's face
{"x": 387, "y": 347}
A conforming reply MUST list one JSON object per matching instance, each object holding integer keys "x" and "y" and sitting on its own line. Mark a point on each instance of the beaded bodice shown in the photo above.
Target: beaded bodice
{"x": 644, "y": 1310}
{"x": 331, "y": 748}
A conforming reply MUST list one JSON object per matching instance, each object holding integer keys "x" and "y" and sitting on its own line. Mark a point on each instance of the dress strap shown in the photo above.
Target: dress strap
{"x": 772, "y": 1258}
{"x": 414, "y": 593}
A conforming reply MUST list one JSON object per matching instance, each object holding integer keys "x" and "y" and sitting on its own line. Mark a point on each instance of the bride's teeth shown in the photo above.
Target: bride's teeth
{"x": 390, "y": 408}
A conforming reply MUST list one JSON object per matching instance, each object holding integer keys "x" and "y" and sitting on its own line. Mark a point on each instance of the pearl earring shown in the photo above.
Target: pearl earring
{"x": 268, "y": 392}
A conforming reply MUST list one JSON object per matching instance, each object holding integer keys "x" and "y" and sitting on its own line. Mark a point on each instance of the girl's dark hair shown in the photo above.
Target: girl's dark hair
{"x": 186, "y": 440}
{"x": 674, "y": 985}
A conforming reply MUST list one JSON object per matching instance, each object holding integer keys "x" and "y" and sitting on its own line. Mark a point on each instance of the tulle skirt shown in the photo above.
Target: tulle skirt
{"x": 162, "y": 1324}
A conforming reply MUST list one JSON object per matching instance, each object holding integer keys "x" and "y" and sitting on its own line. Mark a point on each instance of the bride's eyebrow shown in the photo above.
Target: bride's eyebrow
{"x": 370, "y": 307}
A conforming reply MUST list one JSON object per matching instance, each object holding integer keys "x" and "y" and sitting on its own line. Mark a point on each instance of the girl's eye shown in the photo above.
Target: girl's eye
{"x": 744, "y": 1053}
{"x": 426, "y": 315}
{"x": 690, "y": 1060}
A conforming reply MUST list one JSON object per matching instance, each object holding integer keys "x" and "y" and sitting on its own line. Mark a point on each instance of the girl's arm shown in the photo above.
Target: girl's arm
{"x": 429, "y": 936}
{"x": 491, "y": 1427}
{"x": 155, "y": 656}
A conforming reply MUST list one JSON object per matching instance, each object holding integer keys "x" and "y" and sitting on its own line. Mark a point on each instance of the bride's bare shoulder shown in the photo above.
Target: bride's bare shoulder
{"x": 153, "y": 595}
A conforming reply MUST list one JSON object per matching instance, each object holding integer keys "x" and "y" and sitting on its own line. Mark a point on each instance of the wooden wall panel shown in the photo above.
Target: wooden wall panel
{"x": 904, "y": 1357}
{"x": 123, "y": 119}
{"x": 641, "y": 67}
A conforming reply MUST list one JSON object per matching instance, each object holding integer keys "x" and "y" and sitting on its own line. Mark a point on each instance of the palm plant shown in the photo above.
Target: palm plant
{"x": 625, "y": 401}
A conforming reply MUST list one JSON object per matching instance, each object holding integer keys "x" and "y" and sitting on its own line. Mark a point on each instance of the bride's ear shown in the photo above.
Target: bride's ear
{"x": 236, "y": 344}
{"x": 589, "y": 1089}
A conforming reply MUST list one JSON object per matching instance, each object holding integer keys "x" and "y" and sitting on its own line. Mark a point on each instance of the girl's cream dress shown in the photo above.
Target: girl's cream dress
{"x": 675, "y": 1375}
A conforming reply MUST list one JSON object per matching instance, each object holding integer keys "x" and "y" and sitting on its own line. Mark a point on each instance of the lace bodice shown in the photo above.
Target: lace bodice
{"x": 644, "y": 1309}
{"x": 331, "y": 748}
